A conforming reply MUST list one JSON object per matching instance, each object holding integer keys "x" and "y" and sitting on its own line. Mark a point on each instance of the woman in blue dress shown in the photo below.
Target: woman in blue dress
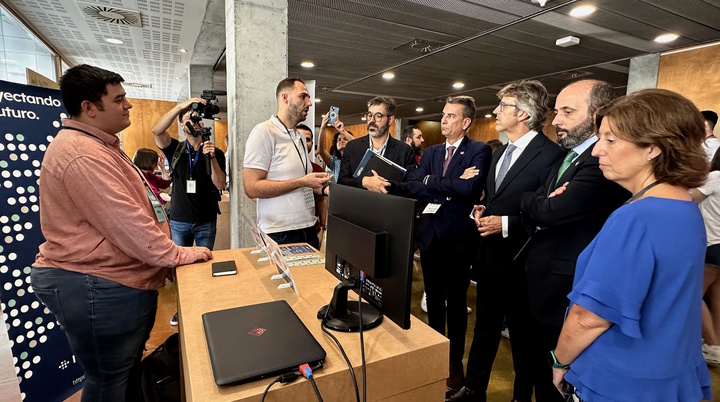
{"x": 633, "y": 330}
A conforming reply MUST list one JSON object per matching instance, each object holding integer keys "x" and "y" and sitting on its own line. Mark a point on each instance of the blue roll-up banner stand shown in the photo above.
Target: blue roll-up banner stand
{"x": 45, "y": 366}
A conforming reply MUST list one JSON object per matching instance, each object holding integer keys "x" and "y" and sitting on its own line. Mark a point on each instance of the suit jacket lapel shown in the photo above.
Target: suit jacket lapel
{"x": 528, "y": 154}
{"x": 570, "y": 171}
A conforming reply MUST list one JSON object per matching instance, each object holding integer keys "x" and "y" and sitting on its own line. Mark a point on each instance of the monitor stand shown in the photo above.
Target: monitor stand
{"x": 344, "y": 315}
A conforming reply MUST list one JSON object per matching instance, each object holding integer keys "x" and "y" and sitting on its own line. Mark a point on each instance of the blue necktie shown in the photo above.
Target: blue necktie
{"x": 505, "y": 165}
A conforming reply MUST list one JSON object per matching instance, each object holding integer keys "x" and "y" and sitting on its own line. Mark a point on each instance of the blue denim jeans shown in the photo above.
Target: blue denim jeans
{"x": 202, "y": 234}
{"x": 107, "y": 325}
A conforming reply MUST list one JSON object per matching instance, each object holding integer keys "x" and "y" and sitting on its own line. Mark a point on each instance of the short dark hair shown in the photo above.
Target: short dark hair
{"x": 468, "y": 105}
{"x": 408, "y": 132}
{"x": 287, "y": 83}
{"x": 303, "y": 127}
{"x": 182, "y": 113}
{"x": 710, "y": 117}
{"x": 145, "y": 159}
{"x": 532, "y": 98}
{"x": 384, "y": 100}
{"x": 668, "y": 121}
{"x": 85, "y": 83}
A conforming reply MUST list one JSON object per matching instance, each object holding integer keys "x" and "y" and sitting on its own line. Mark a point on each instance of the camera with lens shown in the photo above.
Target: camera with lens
{"x": 199, "y": 111}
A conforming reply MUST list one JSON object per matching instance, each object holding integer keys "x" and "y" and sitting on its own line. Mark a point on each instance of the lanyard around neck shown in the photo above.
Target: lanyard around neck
{"x": 304, "y": 163}
{"x": 194, "y": 161}
{"x": 641, "y": 192}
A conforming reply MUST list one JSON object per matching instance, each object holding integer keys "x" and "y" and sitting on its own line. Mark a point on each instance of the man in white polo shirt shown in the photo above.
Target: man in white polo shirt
{"x": 278, "y": 173}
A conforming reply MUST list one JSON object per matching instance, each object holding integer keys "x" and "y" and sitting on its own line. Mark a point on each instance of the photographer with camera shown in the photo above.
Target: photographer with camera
{"x": 196, "y": 187}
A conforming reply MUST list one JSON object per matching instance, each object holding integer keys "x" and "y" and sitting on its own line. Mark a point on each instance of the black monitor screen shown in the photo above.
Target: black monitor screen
{"x": 373, "y": 232}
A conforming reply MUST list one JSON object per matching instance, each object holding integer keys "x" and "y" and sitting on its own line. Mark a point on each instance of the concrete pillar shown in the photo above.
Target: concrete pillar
{"x": 643, "y": 72}
{"x": 257, "y": 57}
{"x": 200, "y": 78}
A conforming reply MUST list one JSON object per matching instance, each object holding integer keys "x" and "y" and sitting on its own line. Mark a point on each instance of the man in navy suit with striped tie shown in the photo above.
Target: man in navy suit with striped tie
{"x": 448, "y": 181}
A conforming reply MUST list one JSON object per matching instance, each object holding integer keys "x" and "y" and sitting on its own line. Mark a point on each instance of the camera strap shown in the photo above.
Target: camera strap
{"x": 176, "y": 156}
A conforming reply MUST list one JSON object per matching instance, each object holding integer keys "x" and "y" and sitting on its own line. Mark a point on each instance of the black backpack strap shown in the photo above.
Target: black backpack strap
{"x": 176, "y": 156}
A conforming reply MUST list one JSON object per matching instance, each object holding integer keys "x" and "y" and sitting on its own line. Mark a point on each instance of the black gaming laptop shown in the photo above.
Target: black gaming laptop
{"x": 259, "y": 341}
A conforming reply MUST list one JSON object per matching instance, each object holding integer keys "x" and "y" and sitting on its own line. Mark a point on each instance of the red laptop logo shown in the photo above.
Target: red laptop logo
{"x": 257, "y": 331}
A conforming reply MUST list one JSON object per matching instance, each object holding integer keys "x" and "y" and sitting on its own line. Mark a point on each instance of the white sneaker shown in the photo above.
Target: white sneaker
{"x": 711, "y": 353}
{"x": 423, "y": 302}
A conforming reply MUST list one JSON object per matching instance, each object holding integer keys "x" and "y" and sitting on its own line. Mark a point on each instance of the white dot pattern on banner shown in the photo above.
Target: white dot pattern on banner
{"x": 20, "y": 163}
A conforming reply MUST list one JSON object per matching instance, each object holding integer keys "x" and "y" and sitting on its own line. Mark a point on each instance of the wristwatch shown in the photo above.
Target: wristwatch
{"x": 555, "y": 363}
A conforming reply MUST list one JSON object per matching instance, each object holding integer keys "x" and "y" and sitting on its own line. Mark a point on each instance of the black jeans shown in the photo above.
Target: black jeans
{"x": 307, "y": 235}
{"x": 106, "y": 324}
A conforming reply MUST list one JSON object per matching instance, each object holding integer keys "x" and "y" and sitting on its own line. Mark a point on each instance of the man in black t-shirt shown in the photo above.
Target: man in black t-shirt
{"x": 195, "y": 191}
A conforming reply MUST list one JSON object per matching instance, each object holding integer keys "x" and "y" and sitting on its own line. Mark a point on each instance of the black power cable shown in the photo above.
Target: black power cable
{"x": 307, "y": 372}
{"x": 342, "y": 351}
{"x": 362, "y": 341}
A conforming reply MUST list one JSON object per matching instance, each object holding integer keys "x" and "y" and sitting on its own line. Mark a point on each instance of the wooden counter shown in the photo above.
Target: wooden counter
{"x": 402, "y": 365}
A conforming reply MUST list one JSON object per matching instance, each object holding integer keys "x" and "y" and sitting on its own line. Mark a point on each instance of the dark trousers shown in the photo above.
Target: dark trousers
{"x": 307, "y": 235}
{"x": 501, "y": 293}
{"x": 446, "y": 275}
{"x": 545, "y": 338}
{"x": 107, "y": 325}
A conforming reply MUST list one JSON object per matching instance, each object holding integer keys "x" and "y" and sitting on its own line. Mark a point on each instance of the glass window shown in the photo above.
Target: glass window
{"x": 20, "y": 49}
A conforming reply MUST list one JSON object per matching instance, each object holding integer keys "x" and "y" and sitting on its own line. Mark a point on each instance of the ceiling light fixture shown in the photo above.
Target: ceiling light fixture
{"x": 458, "y": 85}
{"x": 307, "y": 64}
{"x": 183, "y": 51}
{"x": 541, "y": 2}
{"x": 582, "y": 11}
{"x": 665, "y": 38}
{"x": 487, "y": 116}
{"x": 419, "y": 109}
{"x": 317, "y": 100}
{"x": 388, "y": 76}
{"x": 114, "y": 41}
{"x": 363, "y": 118}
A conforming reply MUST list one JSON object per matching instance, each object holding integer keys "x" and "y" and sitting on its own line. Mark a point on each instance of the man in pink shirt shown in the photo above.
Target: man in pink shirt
{"x": 108, "y": 246}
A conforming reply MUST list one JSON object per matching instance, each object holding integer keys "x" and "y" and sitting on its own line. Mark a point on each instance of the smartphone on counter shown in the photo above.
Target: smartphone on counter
{"x": 333, "y": 115}
{"x": 223, "y": 268}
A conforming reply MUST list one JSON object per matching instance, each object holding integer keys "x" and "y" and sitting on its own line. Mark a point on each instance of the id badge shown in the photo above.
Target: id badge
{"x": 190, "y": 188}
{"x": 431, "y": 208}
{"x": 157, "y": 206}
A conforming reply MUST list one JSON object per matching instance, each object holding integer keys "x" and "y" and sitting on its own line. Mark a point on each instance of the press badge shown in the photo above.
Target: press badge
{"x": 190, "y": 188}
{"x": 157, "y": 206}
{"x": 431, "y": 208}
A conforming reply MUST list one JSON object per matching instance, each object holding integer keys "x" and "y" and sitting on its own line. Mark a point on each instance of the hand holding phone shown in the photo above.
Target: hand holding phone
{"x": 333, "y": 115}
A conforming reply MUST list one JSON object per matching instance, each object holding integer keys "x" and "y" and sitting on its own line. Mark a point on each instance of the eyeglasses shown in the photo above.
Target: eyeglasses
{"x": 376, "y": 117}
{"x": 502, "y": 105}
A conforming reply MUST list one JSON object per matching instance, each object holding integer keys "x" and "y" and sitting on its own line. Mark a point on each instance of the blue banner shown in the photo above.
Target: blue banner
{"x": 45, "y": 365}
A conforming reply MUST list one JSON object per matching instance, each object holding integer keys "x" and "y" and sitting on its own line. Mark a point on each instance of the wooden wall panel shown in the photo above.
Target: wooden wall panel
{"x": 693, "y": 74}
{"x": 143, "y": 115}
{"x": 221, "y": 133}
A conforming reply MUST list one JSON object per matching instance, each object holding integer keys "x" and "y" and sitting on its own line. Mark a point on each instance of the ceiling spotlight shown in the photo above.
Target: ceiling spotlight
{"x": 419, "y": 109}
{"x": 183, "y": 51}
{"x": 307, "y": 64}
{"x": 317, "y": 100}
{"x": 487, "y": 116}
{"x": 363, "y": 118}
{"x": 541, "y": 2}
{"x": 114, "y": 41}
{"x": 458, "y": 85}
{"x": 666, "y": 38}
{"x": 582, "y": 11}
{"x": 388, "y": 76}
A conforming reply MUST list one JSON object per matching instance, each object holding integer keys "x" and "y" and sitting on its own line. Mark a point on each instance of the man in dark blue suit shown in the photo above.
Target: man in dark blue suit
{"x": 522, "y": 165}
{"x": 565, "y": 214}
{"x": 447, "y": 184}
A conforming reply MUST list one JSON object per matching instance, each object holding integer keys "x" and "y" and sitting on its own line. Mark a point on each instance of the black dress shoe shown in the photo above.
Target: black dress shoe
{"x": 464, "y": 394}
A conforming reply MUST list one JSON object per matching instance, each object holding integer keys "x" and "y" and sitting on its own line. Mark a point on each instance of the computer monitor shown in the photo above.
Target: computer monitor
{"x": 371, "y": 232}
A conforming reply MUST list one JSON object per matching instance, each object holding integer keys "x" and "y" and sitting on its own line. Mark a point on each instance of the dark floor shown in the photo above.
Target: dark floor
{"x": 500, "y": 389}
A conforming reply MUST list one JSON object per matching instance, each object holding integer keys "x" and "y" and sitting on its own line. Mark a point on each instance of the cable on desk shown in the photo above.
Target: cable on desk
{"x": 307, "y": 372}
{"x": 342, "y": 351}
{"x": 362, "y": 341}
{"x": 283, "y": 379}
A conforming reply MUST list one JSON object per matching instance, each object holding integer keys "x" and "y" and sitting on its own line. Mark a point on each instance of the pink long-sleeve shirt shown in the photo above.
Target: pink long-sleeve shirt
{"x": 96, "y": 216}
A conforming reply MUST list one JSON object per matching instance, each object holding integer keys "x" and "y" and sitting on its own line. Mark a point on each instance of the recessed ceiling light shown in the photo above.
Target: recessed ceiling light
{"x": 582, "y": 11}
{"x": 307, "y": 64}
{"x": 458, "y": 85}
{"x": 363, "y": 118}
{"x": 419, "y": 109}
{"x": 388, "y": 76}
{"x": 317, "y": 100}
{"x": 666, "y": 38}
{"x": 114, "y": 41}
{"x": 488, "y": 116}
{"x": 183, "y": 51}
{"x": 177, "y": 78}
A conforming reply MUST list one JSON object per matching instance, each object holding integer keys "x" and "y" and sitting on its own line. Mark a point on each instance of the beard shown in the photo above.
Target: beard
{"x": 576, "y": 135}
{"x": 295, "y": 112}
{"x": 379, "y": 131}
